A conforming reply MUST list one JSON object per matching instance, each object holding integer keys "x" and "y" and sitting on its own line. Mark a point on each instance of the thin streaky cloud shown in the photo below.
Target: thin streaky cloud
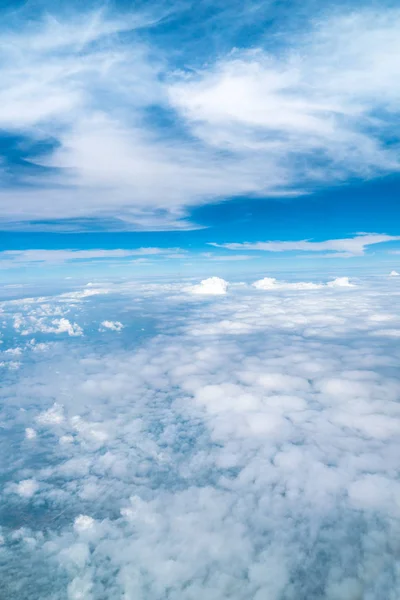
{"x": 14, "y": 257}
{"x": 340, "y": 248}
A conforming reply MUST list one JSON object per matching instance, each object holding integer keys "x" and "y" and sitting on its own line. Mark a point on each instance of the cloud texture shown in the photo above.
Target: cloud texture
{"x": 213, "y": 286}
{"x": 117, "y": 129}
{"x": 247, "y": 449}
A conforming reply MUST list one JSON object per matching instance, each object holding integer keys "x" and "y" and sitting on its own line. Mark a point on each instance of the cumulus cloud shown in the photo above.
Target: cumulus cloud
{"x": 30, "y": 433}
{"x": 270, "y": 283}
{"x": 340, "y": 248}
{"x": 213, "y": 286}
{"x": 246, "y": 450}
{"x": 27, "y": 488}
{"x": 113, "y": 325}
{"x": 64, "y": 326}
{"x": 393, "y": 274}
{"x": 14, "y": 351}
{"x": 83, "y": 523}
{"x": 32, "y": 324}
{"x": 340, "y": 282}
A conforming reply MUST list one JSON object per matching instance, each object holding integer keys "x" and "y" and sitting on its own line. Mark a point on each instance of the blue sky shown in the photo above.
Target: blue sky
{"x": 191, "y": 129}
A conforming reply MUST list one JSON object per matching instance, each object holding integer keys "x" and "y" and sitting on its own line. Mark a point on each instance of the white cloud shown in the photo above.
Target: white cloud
{"x": 64, "y": 326}
{"x": 113, "y": 325}
{"x": 213, "y": 286}
{"x": 316, "y": 109}
{"x": 270, "y": 283}
{"x": 340, "y": 248}
{"x": 27, "y": 488}
{"x": 79, "y": 295}
{"x": 32, "y": 324}
{"x": 314, "y": 96}
{"x": 340, "y": 282}
{"x": 11, "y": 364}
{"x": 393, "y": 274}
{"x": 52, "y": 416}
{"x": 14, "y": 351}
{"x": 83, "y": 523}
{"x": 30, "y": 433}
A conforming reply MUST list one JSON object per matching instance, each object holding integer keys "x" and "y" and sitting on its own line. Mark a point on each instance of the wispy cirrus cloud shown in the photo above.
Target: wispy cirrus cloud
{"x": 132, "y": 138}
{"x": 9, "y": 258}
{"x": 339, "y": 248}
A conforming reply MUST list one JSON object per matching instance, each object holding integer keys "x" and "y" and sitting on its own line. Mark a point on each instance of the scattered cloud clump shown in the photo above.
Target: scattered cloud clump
{"x": 27, "y": 488}
{"x": 270, "y": 283}
{"x": 31, "y": 324}
{"x": 83, "y": 523}
{"x": 340, "y": 282}
{"x": 394, "y": 274}
{"x": 30, "y": 433}
{"x": 64, "y": 326}
{"x": 213, "y": 286}
{"x": 113, "y": 325}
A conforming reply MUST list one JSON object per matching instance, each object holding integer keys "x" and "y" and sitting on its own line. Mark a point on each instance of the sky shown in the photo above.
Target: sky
{"x": 197, "y": 128}
{"x": 199, "y": 292}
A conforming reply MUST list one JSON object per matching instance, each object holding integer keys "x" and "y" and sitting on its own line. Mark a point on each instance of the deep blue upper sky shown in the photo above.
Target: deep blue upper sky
{"x": 178, "y": 125}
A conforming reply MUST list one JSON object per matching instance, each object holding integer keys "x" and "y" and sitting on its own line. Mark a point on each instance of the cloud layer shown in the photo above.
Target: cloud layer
{"x": 246, "y": 448}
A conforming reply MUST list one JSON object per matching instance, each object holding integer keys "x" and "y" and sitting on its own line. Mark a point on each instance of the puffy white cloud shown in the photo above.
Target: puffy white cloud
{"x": 83, "y": 523}
{"x": 64, "y": 326}
{"x": 32, "y": 324}
{"x": 46, "y": 315}
{"x": 14, "y": 351}
{"x": 213, "y": 286}
{"x": 393, "y": 274}
{"x": 340, "y": 282}
{"x": 113, "y": 325}
{"x": 30, "y": 433}
{"x": 27, "y": 488}
{"x": 270, "y": 283}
